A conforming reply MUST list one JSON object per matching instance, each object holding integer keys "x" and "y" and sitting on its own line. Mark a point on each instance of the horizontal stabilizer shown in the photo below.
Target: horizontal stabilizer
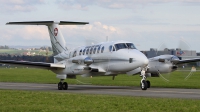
{"x": 47, "y": 23}
{"x": 33, "y": 64}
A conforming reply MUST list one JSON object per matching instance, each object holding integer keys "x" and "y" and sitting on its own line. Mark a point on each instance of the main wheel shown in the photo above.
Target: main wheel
{"x": 60, "y": 86}
{"x": 148, "y": 84}
{"x": 143, "y": 85}
{"x": 65, "y": 86}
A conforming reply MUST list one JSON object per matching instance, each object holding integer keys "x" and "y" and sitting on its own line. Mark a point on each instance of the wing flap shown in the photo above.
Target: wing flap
{"x": 33, "y": 64}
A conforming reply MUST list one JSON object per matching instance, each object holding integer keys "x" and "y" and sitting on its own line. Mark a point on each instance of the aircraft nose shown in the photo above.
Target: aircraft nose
{"x": 143, "y": 59}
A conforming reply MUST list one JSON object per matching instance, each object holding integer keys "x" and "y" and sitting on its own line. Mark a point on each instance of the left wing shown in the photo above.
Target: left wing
{"x": 33, "y": 64}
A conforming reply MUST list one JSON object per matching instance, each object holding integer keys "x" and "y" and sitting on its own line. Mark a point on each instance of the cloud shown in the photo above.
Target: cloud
{"x": 10, "y": 6}
{"x": 73, "y": 33}
{"x": 114, "y": 4}
{"x": 25, "y": 33}
{"x": 96, "y": 32}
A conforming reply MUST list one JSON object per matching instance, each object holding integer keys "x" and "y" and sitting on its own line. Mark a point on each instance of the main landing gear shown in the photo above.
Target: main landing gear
{"x": 62, "y": 85}
{"x": 144, "y": 84}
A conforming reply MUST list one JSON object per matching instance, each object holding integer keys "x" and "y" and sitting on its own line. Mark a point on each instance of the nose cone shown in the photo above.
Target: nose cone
{"x": 146, "y": 61}
{"x": 142, "y": 59}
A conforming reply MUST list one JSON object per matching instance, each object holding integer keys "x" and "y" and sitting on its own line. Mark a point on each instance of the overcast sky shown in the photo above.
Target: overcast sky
{"x": 146, "y": 23}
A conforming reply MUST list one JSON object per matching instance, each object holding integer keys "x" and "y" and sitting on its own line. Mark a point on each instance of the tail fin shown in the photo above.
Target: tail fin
{"x": 57, "y": 39}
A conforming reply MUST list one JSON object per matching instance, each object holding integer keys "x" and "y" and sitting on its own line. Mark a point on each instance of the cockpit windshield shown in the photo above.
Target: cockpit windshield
{"x": 130, "y": 45}
{"x": 124, "y": 46}
{"x": 120, "y": 46}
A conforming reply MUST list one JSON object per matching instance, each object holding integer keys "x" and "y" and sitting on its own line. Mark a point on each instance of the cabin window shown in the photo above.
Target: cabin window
{"x": 74, "y": 54}
{"x": 102, "y": 49}
{"x": 87, "y": 51}
{"x": 84, "y": 52}
{"x": 80, "y": 52}
{"x": 98, "y": 49}
{"x": 110, "y": 48}
{"x": 94, "y": 50}
{"x": 91, "y": 50}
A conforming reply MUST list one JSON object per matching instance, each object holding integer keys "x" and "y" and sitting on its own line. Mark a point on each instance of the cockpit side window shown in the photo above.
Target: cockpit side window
{"x": 120, "y": 46}
{"x": 102, "y": 49}
{"x": 80, "y": 52}
{"x": 130, "y": 45}
{"x": 113, "y": 48}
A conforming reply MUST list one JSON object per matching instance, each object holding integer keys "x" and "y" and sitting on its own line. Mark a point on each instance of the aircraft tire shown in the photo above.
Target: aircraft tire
{"x": 145, "y": 85}
{"x": 148, "y": 84}
{"x": 65, "y": 86}
{"x": 60, "y": 86}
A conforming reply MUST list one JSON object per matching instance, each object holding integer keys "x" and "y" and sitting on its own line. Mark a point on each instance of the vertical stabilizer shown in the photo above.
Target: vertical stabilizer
{"x": 57, "y": 39}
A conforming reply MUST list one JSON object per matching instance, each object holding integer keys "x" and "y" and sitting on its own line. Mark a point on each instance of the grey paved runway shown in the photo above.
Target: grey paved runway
{"x": 110, "y": 90}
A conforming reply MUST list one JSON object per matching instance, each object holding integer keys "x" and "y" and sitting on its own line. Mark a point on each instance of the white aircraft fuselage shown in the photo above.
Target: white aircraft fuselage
{"x": 105, "y": 59}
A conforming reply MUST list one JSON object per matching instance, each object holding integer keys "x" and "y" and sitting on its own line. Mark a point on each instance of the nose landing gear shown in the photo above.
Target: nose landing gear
{"x": 144, "y": 84}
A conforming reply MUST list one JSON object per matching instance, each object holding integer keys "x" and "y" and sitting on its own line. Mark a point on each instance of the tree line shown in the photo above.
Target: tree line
{"x": 4, "y": 47}
{"x": 48, "y": 59}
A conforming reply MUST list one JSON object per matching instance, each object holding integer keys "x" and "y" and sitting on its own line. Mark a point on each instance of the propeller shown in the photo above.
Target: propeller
{"x": 163, "y": 49}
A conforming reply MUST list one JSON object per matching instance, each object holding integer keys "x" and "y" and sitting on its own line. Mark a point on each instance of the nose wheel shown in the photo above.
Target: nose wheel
{"x": 145, "y": 84}
{"x": 62, "y": 85}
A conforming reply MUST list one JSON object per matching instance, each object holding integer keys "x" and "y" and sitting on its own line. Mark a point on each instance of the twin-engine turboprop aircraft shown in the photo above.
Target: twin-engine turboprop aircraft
{"x": 103, "y": 59}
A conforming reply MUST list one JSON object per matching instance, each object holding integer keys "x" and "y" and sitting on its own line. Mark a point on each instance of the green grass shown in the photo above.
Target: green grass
{"x": 176, "y": 79}
{"x": 28, "y": 101}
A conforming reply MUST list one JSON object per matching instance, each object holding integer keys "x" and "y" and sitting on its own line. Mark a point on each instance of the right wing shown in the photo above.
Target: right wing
{"x": 33, "y": 64}
{"x": 186, "y": 61}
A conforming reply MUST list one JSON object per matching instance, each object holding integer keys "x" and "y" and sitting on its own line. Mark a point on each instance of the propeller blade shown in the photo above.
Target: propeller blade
{"x": 193, "y": 70}
{"x": 162, "y": 77}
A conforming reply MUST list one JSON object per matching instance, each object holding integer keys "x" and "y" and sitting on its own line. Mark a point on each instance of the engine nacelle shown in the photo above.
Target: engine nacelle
{"x": 152, "y": 75}
{"x": 82, "y": 60}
